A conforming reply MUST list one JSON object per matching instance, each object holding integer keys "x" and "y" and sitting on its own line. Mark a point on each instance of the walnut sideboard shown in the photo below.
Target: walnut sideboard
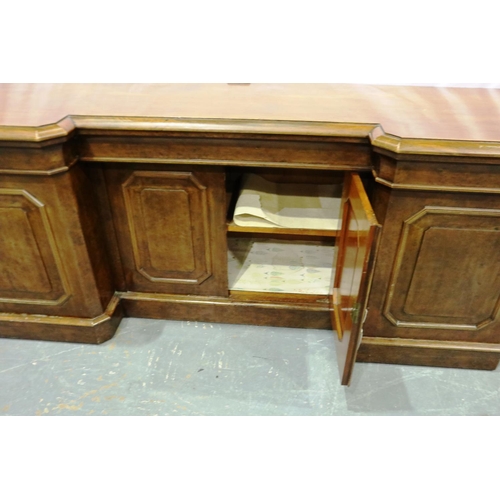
{"x": 116, "y": 200}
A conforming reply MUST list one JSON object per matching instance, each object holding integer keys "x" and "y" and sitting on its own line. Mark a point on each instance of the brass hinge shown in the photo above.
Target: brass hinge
{"x": 355, "y": 312}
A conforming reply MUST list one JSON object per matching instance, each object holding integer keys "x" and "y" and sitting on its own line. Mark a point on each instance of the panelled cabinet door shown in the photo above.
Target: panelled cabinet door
{"x": 356, "y": 249}
{"x": 170, "y": 229}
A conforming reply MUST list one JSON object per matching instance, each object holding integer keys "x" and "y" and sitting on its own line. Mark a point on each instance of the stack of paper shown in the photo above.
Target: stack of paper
{"x": 295, "y": 206}
{"x": 268, "y": 265}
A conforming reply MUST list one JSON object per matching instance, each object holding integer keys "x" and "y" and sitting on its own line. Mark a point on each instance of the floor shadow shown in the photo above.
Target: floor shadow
{"x": 375, "y": 389}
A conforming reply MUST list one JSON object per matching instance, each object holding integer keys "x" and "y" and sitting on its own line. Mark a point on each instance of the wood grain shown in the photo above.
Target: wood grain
{"x": 127, "y": 187}
{"x": 283, "y": 231}
{"x": 64, "y": 329}
{"x": 170, "y": 227}
{"x": 437, "y": 270}
{"x": 239, "y": 308}
{"x": 434, "y": 113}
{"x": 355, "y": 257}
{"x": 475, "y": 356}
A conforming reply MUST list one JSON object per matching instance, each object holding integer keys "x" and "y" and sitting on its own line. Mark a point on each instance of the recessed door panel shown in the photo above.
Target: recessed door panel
{"x": 30, "y": 267}
{"x": 447, "y": 270}
{"x": 171, "y": 230}
{"x": 175, "y": 223}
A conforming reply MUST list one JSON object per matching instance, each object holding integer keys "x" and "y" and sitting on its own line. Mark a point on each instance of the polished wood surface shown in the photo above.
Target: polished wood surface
{"x": 248, "y": 308}
{"x": 471, "y": 355}
{"x": 171, "y": 229}
{"x": 355, "y": 256}
{"x": 280, "y": 231}
{"x": 409, "y": 112}
{"x": 438, "y": 268}
{"x": 123, "y": 207}
{"x": 463, "y": 294}
{"x": 52, "y": 258}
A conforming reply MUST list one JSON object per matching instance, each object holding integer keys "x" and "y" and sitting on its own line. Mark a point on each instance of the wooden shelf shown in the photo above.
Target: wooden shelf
{"x": 233, "y": 228}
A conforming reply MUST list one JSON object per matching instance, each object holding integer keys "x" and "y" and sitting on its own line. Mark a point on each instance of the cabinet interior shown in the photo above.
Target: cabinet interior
{"x": 297, "y": 261}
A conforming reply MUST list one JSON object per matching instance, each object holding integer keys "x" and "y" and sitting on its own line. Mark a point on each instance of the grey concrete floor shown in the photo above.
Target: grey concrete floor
{"x": 154, "y": 367}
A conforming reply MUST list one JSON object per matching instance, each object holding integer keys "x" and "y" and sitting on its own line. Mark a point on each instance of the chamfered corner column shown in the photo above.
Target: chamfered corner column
{"x": 435, "y": 299}
{"x": 55, "y": 279}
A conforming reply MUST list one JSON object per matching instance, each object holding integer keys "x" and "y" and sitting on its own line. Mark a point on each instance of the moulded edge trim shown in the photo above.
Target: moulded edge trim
{"x": 431, "y": 344}
{"x": 373, "y": 132}
{"x": 64, "y": 320}
{"x": 433, "y": 187}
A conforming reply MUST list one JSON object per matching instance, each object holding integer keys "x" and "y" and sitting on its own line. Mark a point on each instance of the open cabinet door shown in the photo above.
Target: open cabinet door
{"x": 356, "y": 250}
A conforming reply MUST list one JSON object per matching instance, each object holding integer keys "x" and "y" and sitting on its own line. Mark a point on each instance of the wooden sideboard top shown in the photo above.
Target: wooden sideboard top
{"x": 29, "y": 111}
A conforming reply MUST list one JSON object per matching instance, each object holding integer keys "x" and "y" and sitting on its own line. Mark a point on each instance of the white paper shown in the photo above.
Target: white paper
{"x": 295, "y": 206}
